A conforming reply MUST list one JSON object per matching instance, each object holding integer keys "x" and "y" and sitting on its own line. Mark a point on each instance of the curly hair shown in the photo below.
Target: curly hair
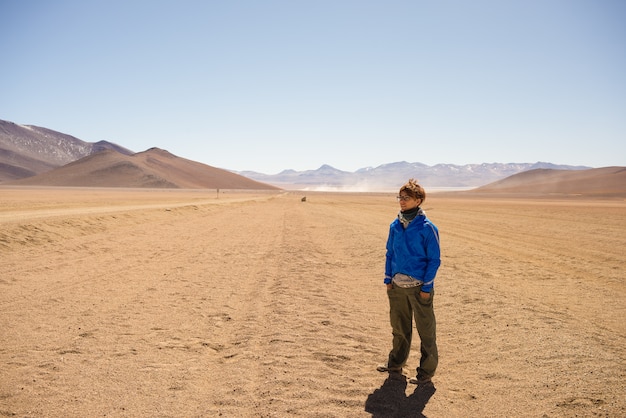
{"x": 413, "y": 189}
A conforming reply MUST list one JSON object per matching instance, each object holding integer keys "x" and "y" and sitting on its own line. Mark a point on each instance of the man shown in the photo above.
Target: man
{"x": 412, "y": 261}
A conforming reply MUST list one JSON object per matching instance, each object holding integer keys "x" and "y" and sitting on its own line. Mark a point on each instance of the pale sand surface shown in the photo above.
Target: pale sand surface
{"x": 159, "y": 303}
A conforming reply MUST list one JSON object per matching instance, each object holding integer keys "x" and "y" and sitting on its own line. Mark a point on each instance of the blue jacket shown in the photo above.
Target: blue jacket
{"x": 413, "y": 251}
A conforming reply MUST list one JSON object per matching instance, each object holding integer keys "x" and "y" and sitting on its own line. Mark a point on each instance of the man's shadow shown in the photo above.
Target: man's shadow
{"x": 390, "y": 399}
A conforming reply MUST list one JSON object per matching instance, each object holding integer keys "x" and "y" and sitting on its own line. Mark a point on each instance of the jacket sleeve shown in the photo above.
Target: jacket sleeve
{"x": 433, "y": 256}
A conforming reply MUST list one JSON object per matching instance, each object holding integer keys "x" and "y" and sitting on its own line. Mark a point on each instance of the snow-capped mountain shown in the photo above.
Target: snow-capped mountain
{"x": 391, "y": 176}
{"x": 27, "y": 150}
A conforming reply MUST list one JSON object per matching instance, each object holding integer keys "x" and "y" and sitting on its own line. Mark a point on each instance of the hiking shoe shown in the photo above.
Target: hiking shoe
{"x": 420, "y": 380}
{"x": 385, "y": 368}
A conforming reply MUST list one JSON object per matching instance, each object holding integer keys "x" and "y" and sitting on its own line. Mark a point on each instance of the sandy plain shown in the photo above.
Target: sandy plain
{"x": 170, "y": 303}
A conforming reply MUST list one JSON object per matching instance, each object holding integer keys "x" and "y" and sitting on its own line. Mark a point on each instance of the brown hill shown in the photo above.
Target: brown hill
{"x": 14, "y": 165}
{"x": 154, "y": 168}
{"x": 27, "y": 150}
{"x": 598, "y": 182}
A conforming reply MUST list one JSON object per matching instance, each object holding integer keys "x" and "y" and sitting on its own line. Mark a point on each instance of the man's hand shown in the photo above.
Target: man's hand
{"x": 424, "y": 295}
{"x": 389, "y": 286}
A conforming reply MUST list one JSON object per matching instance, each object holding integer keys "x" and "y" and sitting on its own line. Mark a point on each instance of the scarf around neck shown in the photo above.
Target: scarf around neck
{"x": 407, "y": 216}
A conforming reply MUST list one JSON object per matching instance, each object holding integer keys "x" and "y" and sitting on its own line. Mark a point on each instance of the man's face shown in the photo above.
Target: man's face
{"x": 407, "y": 202}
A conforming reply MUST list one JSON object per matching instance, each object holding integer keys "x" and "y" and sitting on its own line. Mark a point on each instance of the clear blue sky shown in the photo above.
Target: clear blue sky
{"x": 293, "y": 84}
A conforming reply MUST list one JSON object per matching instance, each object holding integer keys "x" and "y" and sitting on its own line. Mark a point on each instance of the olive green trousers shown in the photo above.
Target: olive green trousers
{"x": 404, "y": 305}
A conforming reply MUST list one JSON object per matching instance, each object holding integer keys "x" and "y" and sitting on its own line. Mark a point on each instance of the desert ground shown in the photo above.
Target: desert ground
{"x": 194, "y": 303}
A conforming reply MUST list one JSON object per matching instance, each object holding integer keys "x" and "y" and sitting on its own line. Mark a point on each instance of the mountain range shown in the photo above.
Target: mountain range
{"x": 29, "y": 150}
{"x": 390, "y": 176}
{"x": 154, "y": 168}
{"x": 31, "y": 155}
